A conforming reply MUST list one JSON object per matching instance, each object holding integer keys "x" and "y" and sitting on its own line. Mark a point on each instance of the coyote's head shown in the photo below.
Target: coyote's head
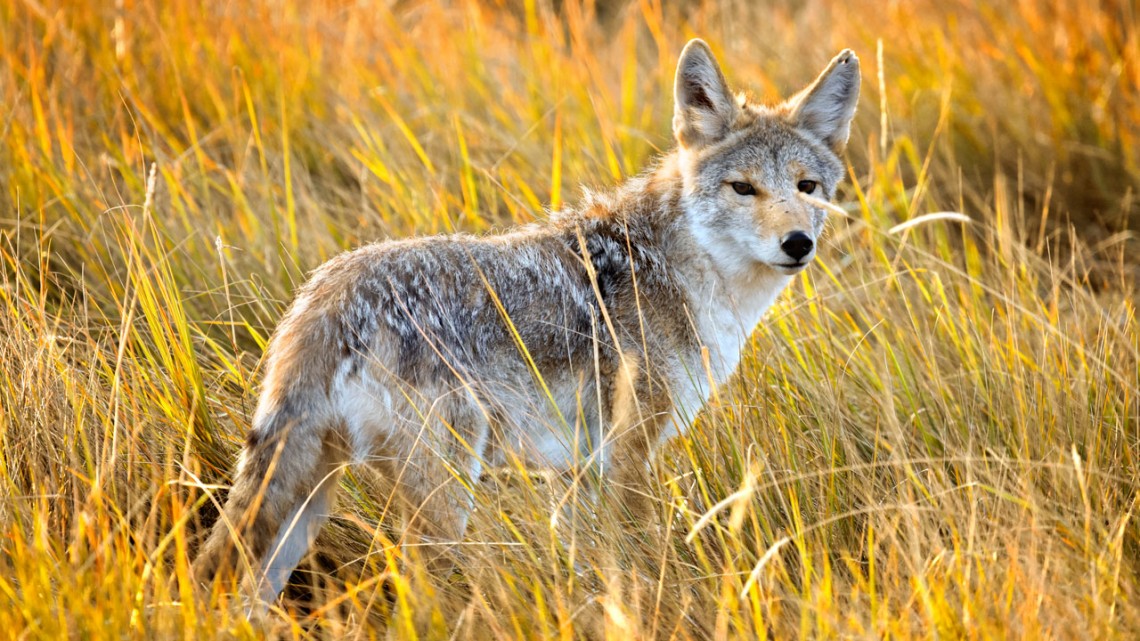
{"x": 744, "y": 166}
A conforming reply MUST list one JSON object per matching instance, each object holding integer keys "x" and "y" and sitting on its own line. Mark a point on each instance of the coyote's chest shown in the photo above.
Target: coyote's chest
{"x": 724, "y": 314}
{"x": 731, "y": 317}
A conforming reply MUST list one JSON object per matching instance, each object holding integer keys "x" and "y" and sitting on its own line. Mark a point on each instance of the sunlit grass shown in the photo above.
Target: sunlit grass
{"x": 935, "y": 433}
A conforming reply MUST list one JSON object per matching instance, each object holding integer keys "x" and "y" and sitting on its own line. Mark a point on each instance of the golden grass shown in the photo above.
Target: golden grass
{"x": 935, "y": 435}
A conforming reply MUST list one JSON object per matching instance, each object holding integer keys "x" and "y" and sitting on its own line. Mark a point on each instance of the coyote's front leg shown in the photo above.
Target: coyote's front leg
{"x": 640, "y": 409}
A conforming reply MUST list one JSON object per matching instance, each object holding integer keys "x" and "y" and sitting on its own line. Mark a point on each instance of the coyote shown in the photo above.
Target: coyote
{"x": 580, "y": 342}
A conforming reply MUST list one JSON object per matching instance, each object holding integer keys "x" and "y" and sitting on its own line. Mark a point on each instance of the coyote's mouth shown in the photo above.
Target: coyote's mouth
{"x": 792, "y": 266}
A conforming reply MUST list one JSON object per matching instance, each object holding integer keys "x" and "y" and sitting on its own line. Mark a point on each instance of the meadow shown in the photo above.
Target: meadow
{"x": 934, "y": 434}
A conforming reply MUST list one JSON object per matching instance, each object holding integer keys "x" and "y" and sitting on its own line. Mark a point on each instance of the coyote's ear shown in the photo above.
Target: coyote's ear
{"x": 825, "y": 108}
{"x": 703, "y": 108}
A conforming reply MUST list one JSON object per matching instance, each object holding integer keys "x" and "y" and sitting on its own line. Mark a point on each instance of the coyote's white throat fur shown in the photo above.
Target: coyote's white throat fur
{"x": 582, "y": 340}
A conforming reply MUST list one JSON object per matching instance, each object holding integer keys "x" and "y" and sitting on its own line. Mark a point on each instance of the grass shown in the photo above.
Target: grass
{"x": 935, "y": 432}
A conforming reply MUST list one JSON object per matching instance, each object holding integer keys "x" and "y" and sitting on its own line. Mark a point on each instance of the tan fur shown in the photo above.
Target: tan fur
{"x": 576, "y": 342}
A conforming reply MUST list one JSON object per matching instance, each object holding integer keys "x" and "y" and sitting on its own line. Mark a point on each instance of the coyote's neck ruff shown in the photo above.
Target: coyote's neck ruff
{"x": 580, "y": 341}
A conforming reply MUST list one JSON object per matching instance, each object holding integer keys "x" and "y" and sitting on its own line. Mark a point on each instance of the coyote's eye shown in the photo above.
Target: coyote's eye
{"x": 744, "y": 189}
{"x": 806, "y": 186}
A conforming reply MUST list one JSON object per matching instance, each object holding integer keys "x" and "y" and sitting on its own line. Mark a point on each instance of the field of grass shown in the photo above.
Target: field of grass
{"x": 935, "y": 433}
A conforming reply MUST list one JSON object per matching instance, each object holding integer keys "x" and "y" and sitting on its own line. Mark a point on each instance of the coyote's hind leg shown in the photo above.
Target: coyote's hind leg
{"x": 434, "y": 475}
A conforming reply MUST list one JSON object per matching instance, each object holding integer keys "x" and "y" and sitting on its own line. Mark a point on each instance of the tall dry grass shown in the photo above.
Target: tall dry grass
{"x": 935, "y": 433}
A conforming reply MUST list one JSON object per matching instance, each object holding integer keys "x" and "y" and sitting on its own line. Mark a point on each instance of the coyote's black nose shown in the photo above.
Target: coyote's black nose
{"x": 797, "y": 244}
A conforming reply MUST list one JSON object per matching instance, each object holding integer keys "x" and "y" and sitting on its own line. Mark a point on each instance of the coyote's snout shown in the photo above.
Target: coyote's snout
{"x": 581, "y": 340}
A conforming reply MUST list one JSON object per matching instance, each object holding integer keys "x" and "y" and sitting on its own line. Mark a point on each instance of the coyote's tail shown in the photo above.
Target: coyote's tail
{"x": 287, "y": 474}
